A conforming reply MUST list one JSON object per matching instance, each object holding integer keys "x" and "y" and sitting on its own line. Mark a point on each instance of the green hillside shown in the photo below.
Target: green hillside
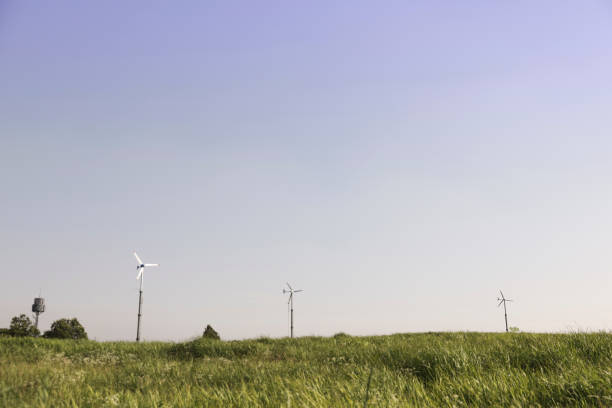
{"x": 407, "y": 370}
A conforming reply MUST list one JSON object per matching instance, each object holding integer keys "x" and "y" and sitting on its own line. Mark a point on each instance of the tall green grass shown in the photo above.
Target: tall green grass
{"x": 407, "y": 370}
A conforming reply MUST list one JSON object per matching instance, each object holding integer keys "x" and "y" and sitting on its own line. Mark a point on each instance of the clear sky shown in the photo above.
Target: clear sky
{"x": 399, "y": 161}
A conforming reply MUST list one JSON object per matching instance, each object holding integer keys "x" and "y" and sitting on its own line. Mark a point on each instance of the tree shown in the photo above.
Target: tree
{"x": 210, "y": 333}
{"x": 21, "y": 326}
{"x": 66, "y": 329}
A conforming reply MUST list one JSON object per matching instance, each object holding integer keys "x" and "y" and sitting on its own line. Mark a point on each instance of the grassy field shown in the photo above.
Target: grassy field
{"x": 403, "y": 370}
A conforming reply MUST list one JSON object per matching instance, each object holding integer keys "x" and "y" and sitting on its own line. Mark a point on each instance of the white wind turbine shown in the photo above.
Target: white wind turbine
{"x": 290, "y": 302}
{"x": 504, "y": 300}
{"x": 140, "y": 268}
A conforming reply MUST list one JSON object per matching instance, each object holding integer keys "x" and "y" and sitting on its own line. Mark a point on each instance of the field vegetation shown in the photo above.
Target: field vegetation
{"x": 402, "y": 370}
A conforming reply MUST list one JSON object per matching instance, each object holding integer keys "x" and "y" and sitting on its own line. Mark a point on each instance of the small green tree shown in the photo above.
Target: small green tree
{"x": 210, "y": 333}
{"x": 21, "y": 326}
{"x": 66, "y": 329}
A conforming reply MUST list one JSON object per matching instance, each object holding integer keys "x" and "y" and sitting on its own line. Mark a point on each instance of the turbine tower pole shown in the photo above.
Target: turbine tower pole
{"x": 139, "y": 309}
{"x": 506, "y": 315}
{"x": 291, "y": 301}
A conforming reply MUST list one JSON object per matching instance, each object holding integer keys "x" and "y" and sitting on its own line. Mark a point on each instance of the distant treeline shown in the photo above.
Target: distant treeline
{"x": 22, "y": 326}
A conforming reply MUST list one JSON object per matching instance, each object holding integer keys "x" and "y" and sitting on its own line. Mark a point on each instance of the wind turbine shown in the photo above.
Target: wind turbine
{"x": 140, "y": 269}
{"x": 504, "y": 300}
{"x": 290, "y": 302}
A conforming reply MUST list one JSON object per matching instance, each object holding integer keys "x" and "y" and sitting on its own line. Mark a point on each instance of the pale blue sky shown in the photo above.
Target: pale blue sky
{"x": 399, "y": 161}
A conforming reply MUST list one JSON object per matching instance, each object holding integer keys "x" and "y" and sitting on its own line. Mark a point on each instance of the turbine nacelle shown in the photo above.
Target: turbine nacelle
{"x": 141, "y": 266}
{"x": 502, "y": 299}
{"x": 291, "y": 291}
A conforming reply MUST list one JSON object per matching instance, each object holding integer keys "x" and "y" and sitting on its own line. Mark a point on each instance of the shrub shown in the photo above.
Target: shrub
{"x": 21, "y": 326}
{"x": 66, "y": 329}
{"x": 210, "y": 333}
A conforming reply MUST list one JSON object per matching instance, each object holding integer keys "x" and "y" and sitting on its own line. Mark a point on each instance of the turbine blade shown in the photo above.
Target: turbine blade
{"x": 138, "y": 258}
{"x": 151, "y": 264}
{"x": 500, "y": 302}
{"x": 299, "y": 290}
{"x": 139, "y": 273}
{"x": 289, "y": 286}
{"x": 502, "y": 293}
